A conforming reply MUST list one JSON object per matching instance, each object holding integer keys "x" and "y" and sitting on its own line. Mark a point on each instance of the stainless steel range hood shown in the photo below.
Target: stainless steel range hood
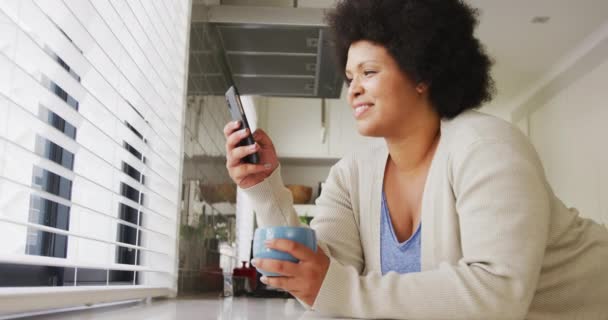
{"x": 269, "y": 51}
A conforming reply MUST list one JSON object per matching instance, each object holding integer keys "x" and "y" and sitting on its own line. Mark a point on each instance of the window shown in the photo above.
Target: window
{"x": 56, "y": 121}
{"x": 118, "y": 277}
{"x": 134, "y": 152}
{"x": 133, "y": 173}
{"x": 137, "y": 133}
{"x": 127, "y": 234}
{"x": 18, "y": 275}
{"x": 49, "y": 213}
{"x": 52, "y": 183}
{"x": 128, "y": 214}
{"x": 66, "y": 36}
{"x": 69, "y": 225}
{"x": 50, "y": 150}
{"x": 126, "y": 255}
{"x": 91, "y": 277}
{"x": 131, "y": 193}
{"x": 59, "y": 92}
{"x": 48, "y": 244}
{"x": 136, "y": 111}
{"x": 62, "y": 63}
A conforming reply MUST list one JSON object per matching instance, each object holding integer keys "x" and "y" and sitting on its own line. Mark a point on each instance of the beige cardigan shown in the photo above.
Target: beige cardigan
{"x": 496, "y": 242}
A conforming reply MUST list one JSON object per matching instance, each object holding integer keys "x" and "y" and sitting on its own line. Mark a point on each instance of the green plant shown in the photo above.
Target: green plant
{"x": 187, "y": 232}
{"x": 305, "y": 219}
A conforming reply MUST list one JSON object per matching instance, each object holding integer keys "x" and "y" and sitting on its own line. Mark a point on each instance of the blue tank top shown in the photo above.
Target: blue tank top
{"x": 394, "y": 256}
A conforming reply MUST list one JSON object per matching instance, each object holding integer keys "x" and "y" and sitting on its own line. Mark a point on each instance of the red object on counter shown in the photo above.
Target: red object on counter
{"x": 252, "y": 275}
{"x": 248, "y": 272}
{"x": 240, "y": 272}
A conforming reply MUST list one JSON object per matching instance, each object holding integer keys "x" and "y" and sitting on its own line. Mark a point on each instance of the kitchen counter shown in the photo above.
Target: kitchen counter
{"x": 199, "y": 308}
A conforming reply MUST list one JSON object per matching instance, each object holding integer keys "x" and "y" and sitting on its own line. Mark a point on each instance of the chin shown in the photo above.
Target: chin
{"x": 368, "y": 129}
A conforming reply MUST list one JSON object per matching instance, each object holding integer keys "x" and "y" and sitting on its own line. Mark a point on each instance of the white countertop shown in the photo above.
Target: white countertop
{"x": 199, "y": 308}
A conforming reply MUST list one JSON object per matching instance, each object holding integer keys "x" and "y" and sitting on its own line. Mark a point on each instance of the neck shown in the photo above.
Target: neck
{"x": 412, "y": 150}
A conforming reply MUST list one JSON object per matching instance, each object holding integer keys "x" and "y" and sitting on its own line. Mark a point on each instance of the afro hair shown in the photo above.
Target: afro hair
{"x": 432, "y": 41}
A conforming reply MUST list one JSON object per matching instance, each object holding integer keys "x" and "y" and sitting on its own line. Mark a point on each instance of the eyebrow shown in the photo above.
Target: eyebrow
{"x": 360, "y": 64}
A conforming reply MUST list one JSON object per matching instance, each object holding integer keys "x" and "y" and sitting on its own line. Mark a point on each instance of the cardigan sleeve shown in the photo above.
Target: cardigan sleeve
{"x": 335, "y": 226}
{"x": 503, "y": 210}
{"x": 273, "y": 202}
{"x": 334, "y": 222}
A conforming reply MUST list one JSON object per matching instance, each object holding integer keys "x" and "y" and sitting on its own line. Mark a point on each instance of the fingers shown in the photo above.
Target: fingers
{"x": 286, "y": 283}
{"x": 320, "y": 252}
{"x": 230, "y": 127}
{"x": 298, "y": 250}
{"x": 239, "y": 153}
{"x": 303, "y": 279}
{"x": 242, "y": 171}
{"x": 262, "y": 138}
{"x": 285, "y": 268}
{"x": 234, "y": 138}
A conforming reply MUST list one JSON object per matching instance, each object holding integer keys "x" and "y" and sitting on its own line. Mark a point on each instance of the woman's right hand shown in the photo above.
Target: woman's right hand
{"x": 246, "y": 175}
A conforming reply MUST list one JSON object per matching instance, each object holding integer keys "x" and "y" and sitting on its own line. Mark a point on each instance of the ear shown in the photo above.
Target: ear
{"x": 422, "y": 87}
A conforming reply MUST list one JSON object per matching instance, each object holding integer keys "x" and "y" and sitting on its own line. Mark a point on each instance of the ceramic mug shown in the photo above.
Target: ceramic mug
{"x": 303, "y": 235}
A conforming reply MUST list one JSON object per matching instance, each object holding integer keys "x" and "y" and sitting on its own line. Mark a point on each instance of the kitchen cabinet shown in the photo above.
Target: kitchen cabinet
{"x": 342, "y": 130}
{"x": 295, "y": 126}
{"x": 299, "y": 130}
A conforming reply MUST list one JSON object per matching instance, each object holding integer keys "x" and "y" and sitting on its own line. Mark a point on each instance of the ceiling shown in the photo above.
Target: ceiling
{"x": 523, "y": 51}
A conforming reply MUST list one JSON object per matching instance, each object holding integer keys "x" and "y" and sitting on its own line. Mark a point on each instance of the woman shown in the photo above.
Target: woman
{"x": 453, "y": 218}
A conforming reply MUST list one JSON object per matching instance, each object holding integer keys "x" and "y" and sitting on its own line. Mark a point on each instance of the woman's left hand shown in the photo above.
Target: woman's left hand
{"x": 304, "y": 279}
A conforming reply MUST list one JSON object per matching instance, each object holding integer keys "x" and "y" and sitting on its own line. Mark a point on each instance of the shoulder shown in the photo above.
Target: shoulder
{"x": 473, "y": 129}
{"x": 481, "y": 140}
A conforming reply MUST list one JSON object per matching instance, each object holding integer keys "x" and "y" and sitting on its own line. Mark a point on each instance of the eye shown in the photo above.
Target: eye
{"x": 368, "y": 73}
{"x": 348, "y": 81}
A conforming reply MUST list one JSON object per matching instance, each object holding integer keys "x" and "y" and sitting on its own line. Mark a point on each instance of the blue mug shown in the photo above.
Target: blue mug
{"x": 303, "y": 235}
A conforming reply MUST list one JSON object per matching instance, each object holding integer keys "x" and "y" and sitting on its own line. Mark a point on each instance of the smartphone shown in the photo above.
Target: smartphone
{"x": 238, "y": 114}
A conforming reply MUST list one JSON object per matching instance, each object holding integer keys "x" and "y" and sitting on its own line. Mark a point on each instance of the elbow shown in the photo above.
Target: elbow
{"x": 502, "y": 298}
{"x": 506, "y": 293}
{"x": 519, "y": 299}
{"x": 507, "y": 311}
{"x": 511, "y": 304}
{"x": 498, "y": 309}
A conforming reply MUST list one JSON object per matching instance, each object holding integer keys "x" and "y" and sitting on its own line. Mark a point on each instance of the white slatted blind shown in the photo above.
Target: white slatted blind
{"x": 92, "y": 100}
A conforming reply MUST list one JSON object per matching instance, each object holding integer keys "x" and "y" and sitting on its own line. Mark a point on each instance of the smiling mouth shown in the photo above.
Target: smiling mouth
{"x": 361, "y": 110}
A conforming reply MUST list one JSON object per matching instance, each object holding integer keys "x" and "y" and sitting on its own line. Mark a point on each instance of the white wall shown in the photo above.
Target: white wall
{"x": 570, "y": 133}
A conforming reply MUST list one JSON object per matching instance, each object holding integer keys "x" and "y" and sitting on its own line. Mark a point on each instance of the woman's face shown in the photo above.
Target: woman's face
{"x": 384, "y": 101}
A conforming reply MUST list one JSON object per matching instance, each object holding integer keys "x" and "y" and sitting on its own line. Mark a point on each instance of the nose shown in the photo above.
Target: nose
{"x": 355, "y": 89}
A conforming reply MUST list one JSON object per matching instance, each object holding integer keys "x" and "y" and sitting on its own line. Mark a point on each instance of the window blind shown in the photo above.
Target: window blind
{"x": 92, "y": 102}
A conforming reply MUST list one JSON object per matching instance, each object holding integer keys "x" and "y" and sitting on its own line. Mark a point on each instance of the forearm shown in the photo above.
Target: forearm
{"x": 450, "y": 292}
{"x": 272, "y": 202}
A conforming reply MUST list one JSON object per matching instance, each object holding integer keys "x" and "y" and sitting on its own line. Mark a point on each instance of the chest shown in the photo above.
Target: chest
{"x": 440, "y": 234}
{"x": 404, "y": 201}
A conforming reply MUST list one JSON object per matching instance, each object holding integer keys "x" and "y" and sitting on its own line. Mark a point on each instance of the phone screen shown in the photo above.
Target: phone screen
{"x": 238, "y": 114}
